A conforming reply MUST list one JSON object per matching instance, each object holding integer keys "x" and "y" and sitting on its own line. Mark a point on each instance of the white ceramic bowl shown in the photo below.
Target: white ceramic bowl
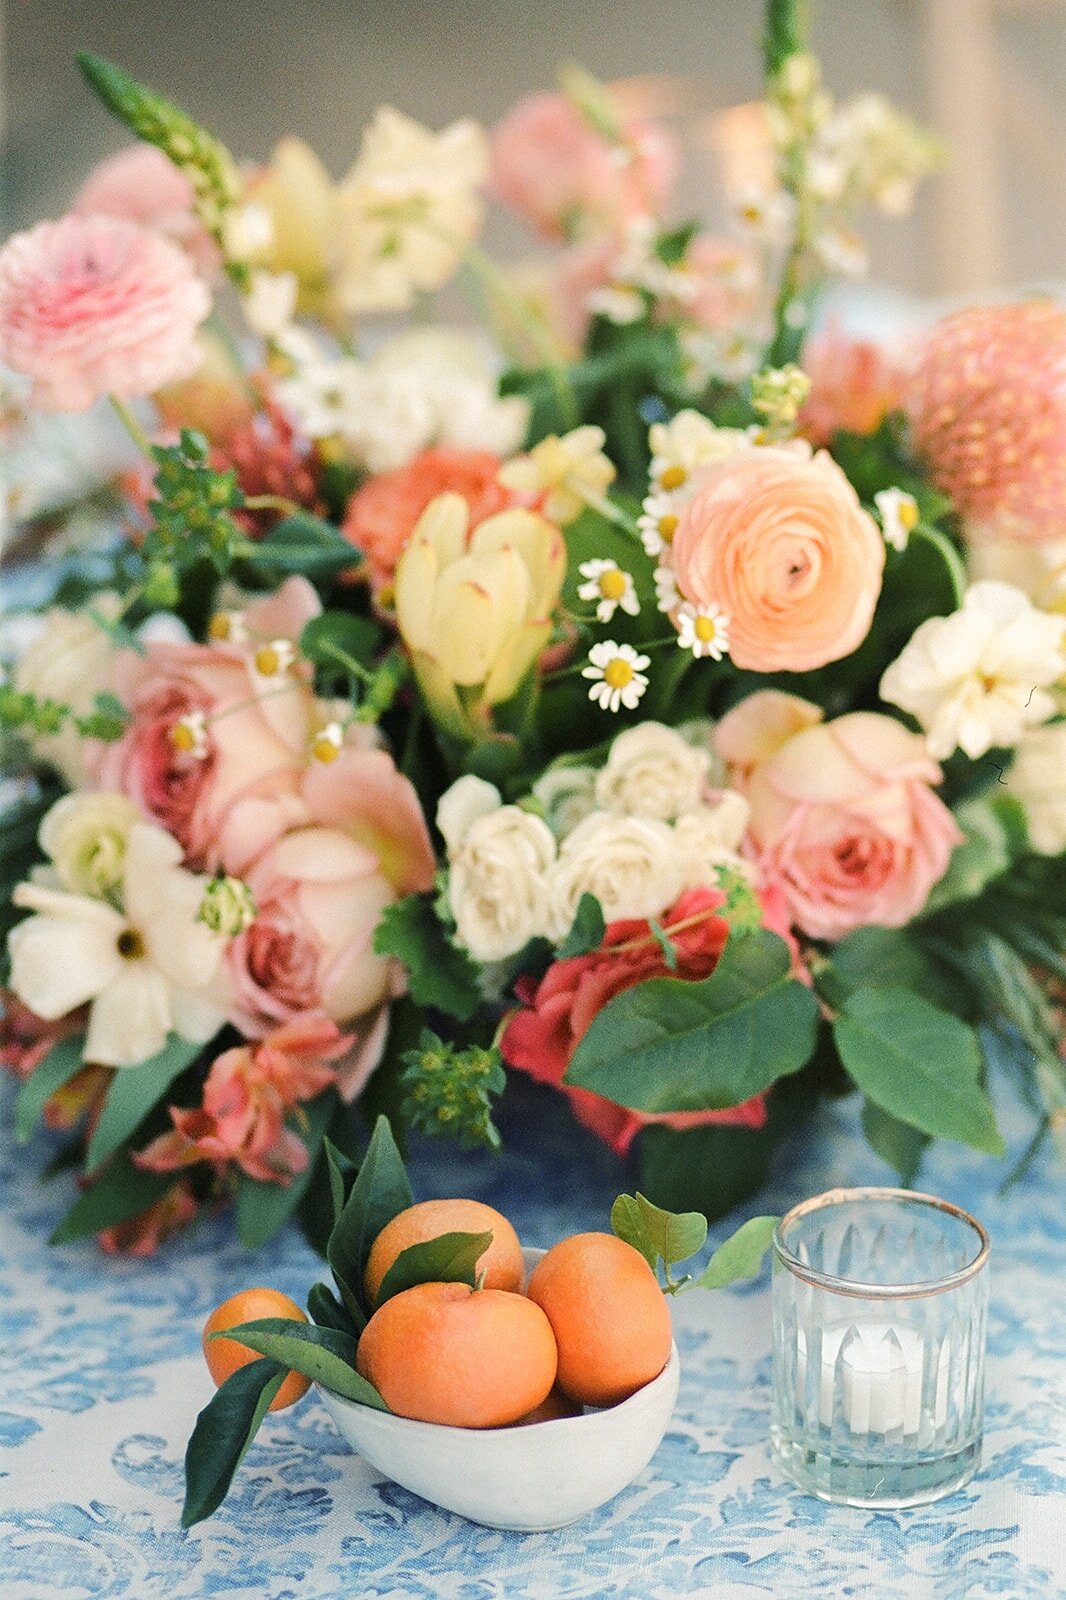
{"x": 529, "y": 1479}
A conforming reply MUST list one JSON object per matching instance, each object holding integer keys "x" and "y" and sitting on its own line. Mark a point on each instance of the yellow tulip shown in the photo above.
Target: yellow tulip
{"x": 475, "y": 612}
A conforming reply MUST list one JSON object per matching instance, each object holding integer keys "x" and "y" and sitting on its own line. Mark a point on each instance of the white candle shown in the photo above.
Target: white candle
{"x": 879, "y": 1370}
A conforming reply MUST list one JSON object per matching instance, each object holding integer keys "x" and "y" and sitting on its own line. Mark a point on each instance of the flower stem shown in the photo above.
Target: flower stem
{"x": 495, "y": 282}
{"x": 131, "y": 425}
{"x": 270, "y": 502}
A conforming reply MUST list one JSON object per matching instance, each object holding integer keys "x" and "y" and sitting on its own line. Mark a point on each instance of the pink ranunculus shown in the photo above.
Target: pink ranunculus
{"x": 141, "y": 184}
{"x": 556, "y": 1014}
{"x": 224, "y": 802}
{"x": 567, "y": 180}
{"x": 844, "y": 817}
{"x": 318, "y": 897}
{"x": 778, "y": 540}
{"x": 855, "y": 383}
{"x": 95, "y": 305}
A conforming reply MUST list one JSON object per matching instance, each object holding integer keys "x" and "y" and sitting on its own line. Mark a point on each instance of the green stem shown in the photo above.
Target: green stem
{"x": 612, "y": 513}
{"x": 951, "y": 558}
{"x": 132, "y": 426}
{"x": 270, "y": 502}
{"x": 349, "y": 663}
{"x": 495, "y": 282}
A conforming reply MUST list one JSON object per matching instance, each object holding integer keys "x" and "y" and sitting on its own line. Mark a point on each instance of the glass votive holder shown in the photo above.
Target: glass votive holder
{"x": 879, "y": 1302}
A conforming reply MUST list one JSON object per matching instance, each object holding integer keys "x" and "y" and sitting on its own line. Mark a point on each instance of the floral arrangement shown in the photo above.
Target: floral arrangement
{"x": 655, "y": 693}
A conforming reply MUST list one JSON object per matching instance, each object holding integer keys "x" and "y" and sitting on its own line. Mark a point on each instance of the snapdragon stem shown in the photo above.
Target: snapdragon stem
{"x": 131, "y": 425}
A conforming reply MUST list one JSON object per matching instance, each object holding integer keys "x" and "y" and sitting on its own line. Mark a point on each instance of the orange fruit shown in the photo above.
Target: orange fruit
{"x": 501, "y": 1263}
{"x": 224, "y": 1356}
{"x": 608, "y": 1313}
{"x": 470, "y": 1358}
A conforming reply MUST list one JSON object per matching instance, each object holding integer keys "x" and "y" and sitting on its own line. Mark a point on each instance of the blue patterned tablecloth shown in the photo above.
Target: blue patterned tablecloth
{"x": 102, "y": 1379}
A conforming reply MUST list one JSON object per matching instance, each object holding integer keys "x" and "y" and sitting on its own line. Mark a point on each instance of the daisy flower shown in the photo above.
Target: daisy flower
{"x": 899, "y": 516}
{"x": 704, "y": 630}
{"x": 273, "y": 660}
{"x": 610, "y": 587}
{"x": 617, "y": 671}
{"x": 667, "y": 594}
{"x": 686, "y": 443}
{"x": 189, "y": 735}
{"x": 658, "y": 522}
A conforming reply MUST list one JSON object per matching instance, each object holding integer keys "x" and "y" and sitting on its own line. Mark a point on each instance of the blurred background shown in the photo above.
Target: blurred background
{"x": 989, "y": 74}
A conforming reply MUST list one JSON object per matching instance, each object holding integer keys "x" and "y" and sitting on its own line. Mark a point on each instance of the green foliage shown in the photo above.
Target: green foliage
{"x": 675, "y": 1045}
{"x": 784, "y": 33}
{"x": 587, "y": 930}
{"x": 334, "y": 635}
{"x": 303, "y": 544}
{"x": 741, "y": 1256}
{"x": 325, "y": 1310}
{"x": 994, "y": 825}
{"x": 448, "y": 1091}
{"x": 450, "y": 1258}
{"x": 133, "y": 1093}
{"x": 439, "y": 973}
{"x": 263, "y": 1208}
{"x": 325, "y": 1355}
{"x": 896, "y": 1142}
{"x": 62, "y": 1063}
{"x": 886, "y": 957}
{"x": 224, "y": 1430}
{"x": 379, "y": 1193}
{"x": 120, "y": 1192}
{"x": 191, "y": 513}
{"x": 669, "y": 1236}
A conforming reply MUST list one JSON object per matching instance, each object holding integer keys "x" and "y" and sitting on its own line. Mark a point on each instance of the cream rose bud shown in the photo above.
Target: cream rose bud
{"x": 466, "y": 802}
{"x": 653, "y": 771}
{"x": 1038, "y": 780}
{"x": 631, "y": 864}
{"x": 710, "y": 838}
{"x": 85, "y": 837}
{"x": 71, "y": 660}
{"x": 497, "y": 887}
{"x": 568, "y": 795}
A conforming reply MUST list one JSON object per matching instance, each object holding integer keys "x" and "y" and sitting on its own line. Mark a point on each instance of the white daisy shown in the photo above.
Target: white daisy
{"x": 610, "y": 587}
{"x": 189, "y": 735}
{"x": 704, "y": 630}
{"x": 658, "y": 522}
{"x": 667, "y": 594}
{"x": 899, "y": 516}
{"x": 617, "y": 671}
{"x": 273, "y": 660}
{"x": 327, "y": 743}
{"x": 228, "y": 627}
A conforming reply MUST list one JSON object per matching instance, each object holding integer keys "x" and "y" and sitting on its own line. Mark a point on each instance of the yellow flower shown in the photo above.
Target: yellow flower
{"x": 300, "y": 198}
{"x": 476, "y": 614}
{"x": 573, "y": 470}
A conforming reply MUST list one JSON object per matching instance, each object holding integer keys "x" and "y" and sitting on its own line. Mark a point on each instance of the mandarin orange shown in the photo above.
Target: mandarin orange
{"x": 224, "y": 1356}
{"x": 501, "y": 1263}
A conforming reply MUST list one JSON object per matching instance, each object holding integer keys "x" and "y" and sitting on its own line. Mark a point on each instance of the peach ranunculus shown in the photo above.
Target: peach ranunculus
{"x": 91, "y": 306}
{"x": 143, "y": 185}
{"x": 777, "y": 539}
{"x": 844, "y": 818}
{"x": 214, "y": 750}
{"x": 382, "y": 514}
{"x": 568, "y": 180}
{"x": 854, "y": 385}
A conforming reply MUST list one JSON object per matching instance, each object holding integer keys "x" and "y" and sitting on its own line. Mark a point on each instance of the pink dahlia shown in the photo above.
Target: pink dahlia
{"x": 96, "y": 305}
{"x": 142, "y": 185}
{"x": 987, "y": 402}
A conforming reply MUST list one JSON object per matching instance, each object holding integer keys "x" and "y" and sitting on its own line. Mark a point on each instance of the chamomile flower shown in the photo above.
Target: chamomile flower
{"x": 227, "y": 627}
{"x": 680, "y": 447}
{"x": 899, "y": 516}
{"x": 273, "y": 660}
{"x": 327, "y": 743}
{"x": 658, "y": 522}
{"x": 704, "y": 630}
{"x": 667, "y": 594}
{"x": 617, "y": 673}
{"x": 768, "y": 214}
{"x": 610, "y": 587}
{"x": 188, "y": 736}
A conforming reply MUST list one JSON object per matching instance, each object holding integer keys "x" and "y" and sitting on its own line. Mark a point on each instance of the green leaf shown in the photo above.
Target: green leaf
{"x": 326, "y": 1311}
{"x": 304, "y": 544}
{"x": 919, "y": 1064}
{"x": 120, "y": 1192}
{"x": 672, "y": 1045}
{"x": 450, "y": 1258}
{"x": 895, "y": 1142}
{"x": 995, "y": 831}
{"x": 341, "y": 1172}
{"x": 325, "y": 1355}
{"x": 133, "y": 1093}
{"x": 587, "y": 930}
{"x": 263, "y": 1208}
{"x": 335, "y": 633}
{"x": 224, "y": 1430}
{"x": 439, "y": 975}
{"x": 671, "y": 1235}
{"x": 741, "y": 1256}
{"x": 885, "y": 958}
{"x": 61, "y": 1064}
{"x": 380, "y": 1192}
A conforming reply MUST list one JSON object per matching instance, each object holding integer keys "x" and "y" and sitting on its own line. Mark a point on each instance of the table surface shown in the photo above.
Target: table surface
{"x": 103, "y": 1379}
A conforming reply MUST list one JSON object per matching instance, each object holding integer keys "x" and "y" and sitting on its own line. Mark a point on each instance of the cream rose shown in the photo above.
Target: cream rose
{"x": 1038, "y": 780}
{"x": 498, "y": 886}
{"x": 652, "y": 771}
{"x": 71, "y": 660}
{"x": 710, "y": 838}
{"x": 568, "y": 795}
{"x": 631, "y": 864}
{"x": 85, "y": 836}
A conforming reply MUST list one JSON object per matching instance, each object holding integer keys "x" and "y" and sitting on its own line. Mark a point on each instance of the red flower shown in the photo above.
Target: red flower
{"x": 557, "y": 1013}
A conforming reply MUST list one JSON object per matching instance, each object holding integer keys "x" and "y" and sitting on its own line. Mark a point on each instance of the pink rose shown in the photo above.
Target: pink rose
{"x": 566, "y": 179}
{"x": 363, "y": 795}
{"x": 229, "y": 795}
{"x": 778, "y": 540}
{"x": 95, "y": 305}
{"x": 844, "y": 820}
{"x": 141, "y": 184}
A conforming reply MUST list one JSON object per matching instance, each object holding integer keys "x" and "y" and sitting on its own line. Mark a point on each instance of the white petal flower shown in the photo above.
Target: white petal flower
{"x": 270, "y": 304}
{"x": 617, "y": 671}
{"x": 768, "y": 214}
{"x": 497, "y": 883}
{"x": 1038, "y": 780}
{"x": 658, "y": 520}
{"x": 189, "y": 736}
{"x": 610, "y": 587}
{"x": 466, "y": 802}
{"x": 978, "y": 678}
{"x": 667, "y": 594}
{"x": 568, "y": 795}
{"x": 84, "y": 835}
{"x": 653, "y": 771}
{"x": 899, "y": 516}
{"x": 631, "y": 864}
{"x": 710, "y": 839}
{"x": 70, "y": 660}
{"x": 703, "y": 629}
{"x": 680, "y": 447}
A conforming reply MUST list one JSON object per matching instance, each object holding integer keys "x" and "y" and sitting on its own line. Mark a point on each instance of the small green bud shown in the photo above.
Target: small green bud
{"x": 227, "y": 907}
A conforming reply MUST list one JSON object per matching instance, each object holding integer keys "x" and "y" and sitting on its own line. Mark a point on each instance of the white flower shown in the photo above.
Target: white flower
{"x": 710, "y": 838}
{"x": 619, "y": 305}
{"x": 658, "y": 521}
{"x": 680, "y": 447}
{"x": 270, "y": 304}
{"x": 189, "y": 736}
{"x": 273, "y": 660}
{"x": 228, "y": 627}
{"x": 147, "y": 970}
{"x": 899, "y": 516}
{"x": 1038, "y": 569}
{"x": 466, "y": 802}
{"x": 497, "y": 884}
{"x": 571, "y": 468}
{"x": 327, "y": 743}
{"x": 631, "y": 865}
{"x": 568, "y": 795}
{"x": 653, "y": 771}
{"x": 667, "y": 594}
{"x": 70, "y": 661}
{"x": 703, "y": 629}
{"x": 227, "y": 907}
{"x": 85, "y": 837}
{"x": 1038, "y": 780}
{"x": 769, "y": 214}
{"x": 610, "y": 587}
{"x": 978, "y": 678}
{"x": 842, "y": 250}
{"x": 618, "y": 677}
{"x": 247, "y": 231}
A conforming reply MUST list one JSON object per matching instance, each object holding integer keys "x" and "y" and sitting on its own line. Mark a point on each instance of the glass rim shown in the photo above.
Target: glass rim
{"x": 914, "y": 1290}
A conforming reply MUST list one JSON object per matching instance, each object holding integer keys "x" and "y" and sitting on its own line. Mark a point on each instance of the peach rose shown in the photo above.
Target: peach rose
{"x": 844, "y": 820}
{"x": 777, "y": 539}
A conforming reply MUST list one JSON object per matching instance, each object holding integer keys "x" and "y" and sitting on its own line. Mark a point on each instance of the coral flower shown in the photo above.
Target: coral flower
{"x": 854, "y": 385}
{"x": 95, "y": 305}
{"x": 987, "y": 402}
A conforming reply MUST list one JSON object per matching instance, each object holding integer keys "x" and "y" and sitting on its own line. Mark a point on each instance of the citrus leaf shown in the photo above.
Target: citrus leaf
{"x": 304, "y": 544}
{"x": 58, "y": 1067}
{"x": 224, "y": 1430}
{"x": 325, "y": 1355}
{"x": 263, "y": 1208}
{"x": 120, "y": 1192}
{"x": 894, "y": 1141}
{"x": 326, "y": 1311}
{"x": 132, "y": 1094}
{"x": 918, "y": 1063}
{"x": 627, "y": 1221}
{"x": 379, "y": 1193}
{"x": 741, "y": 1256}
{"x": 671, "y": 1235}
{"x": 450, "y": 1258}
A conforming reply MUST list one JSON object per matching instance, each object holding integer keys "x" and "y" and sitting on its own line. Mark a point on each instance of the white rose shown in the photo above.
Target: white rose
{"x": 653, "y": 771}
{"x": 1038, "y": 780}
{"x": 85, "y": 836}
{"x": 498, "y": 886}
{"x": 631, "y": 864}
{"x": 69, "y": 661}
{"x": 568, "y": 795}
{"x": 710, "y": 838}
{"x": 462, "y": 805}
